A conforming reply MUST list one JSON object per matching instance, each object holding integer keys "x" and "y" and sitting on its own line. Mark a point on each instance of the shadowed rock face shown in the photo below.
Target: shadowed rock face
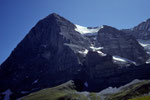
{"x": 51, "y": 54}
{"x": 116, "y": 42}
{"x": 44, "y": 55}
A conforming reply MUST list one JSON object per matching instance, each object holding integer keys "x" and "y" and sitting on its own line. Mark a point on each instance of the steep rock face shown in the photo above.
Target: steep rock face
{"x": 141, "y": 31}
{"x": 97, "y": 67}
{"x": 98, "y": 63}
{"x": 46, "y": 54}
{"x": 116, "y": 42}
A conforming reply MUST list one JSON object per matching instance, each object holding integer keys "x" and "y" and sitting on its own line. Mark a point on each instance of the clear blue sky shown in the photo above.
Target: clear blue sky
{"x": 17, "y": 17}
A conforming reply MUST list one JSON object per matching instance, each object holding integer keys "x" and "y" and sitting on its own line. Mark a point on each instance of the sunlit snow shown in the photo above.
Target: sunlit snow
{"x": 148, "y": 61}
{"x": 145, "y": 44}
{"x": 101, "y": 53}
{"x": 85, "y": 30}
{"x": 120, "y": 59}
{"x": 84, "y": 52}
{"x": 98, "y": 50}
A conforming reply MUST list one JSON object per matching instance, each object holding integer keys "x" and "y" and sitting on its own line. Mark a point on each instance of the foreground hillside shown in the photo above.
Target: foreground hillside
{"x": 67, "y": 91}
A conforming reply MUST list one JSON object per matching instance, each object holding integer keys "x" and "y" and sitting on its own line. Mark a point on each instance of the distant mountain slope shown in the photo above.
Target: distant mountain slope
{"x": 141, "y": 31}
{"x": 115, "y": 42}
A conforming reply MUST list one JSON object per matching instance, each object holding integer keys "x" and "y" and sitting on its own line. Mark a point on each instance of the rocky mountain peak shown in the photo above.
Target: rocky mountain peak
{"x": 54, "y": 16}
{"x": 110, "y": 32}
{"x": 141, "y": 31}
{"x": 108, "y": 27}
{"x": 144, "y": 26}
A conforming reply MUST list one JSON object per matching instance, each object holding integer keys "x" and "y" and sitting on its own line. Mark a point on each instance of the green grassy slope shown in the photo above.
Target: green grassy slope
{"x": 131, "y": 91}
{"x": 65, "y": 91}
{"x": 142, "y": 98}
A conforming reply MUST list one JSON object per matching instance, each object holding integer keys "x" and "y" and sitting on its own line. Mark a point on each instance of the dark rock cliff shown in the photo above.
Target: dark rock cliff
{"x": 47, "y": 54}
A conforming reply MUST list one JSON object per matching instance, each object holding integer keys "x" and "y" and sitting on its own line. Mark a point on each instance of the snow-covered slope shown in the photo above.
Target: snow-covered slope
{"x": 86, "y": 30}
{"x": 145, "y": 44}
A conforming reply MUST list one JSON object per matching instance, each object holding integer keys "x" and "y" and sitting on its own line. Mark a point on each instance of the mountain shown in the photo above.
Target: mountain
{"x": 55, "y": 51}
{"x": 47, "y": 56}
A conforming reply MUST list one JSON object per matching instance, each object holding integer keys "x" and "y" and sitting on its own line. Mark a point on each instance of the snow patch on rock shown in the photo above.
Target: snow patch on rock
{"x": 7, "y": 94}
{"x": 86, "y": 84}
{"x": 148, "y": 61}
{"x": 120, "y": 60}
{"x": 84, "y": 52}
{"x": 98, "y": 50}
{"x": 35, "y": 81}
{"x": 145, "y": 44}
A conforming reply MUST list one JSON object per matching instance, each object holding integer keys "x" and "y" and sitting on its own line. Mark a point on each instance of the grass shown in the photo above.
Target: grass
{"x": 55, "y": 93}
{"x": 94, "y": 96}
{"x": 129, "y": 92}
{"x": 63, "y": 92}
{"x": 142, "y": 98}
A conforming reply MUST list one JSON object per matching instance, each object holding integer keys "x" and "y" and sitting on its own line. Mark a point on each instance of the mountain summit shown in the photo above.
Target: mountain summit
{"x": 141, "y": 31}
